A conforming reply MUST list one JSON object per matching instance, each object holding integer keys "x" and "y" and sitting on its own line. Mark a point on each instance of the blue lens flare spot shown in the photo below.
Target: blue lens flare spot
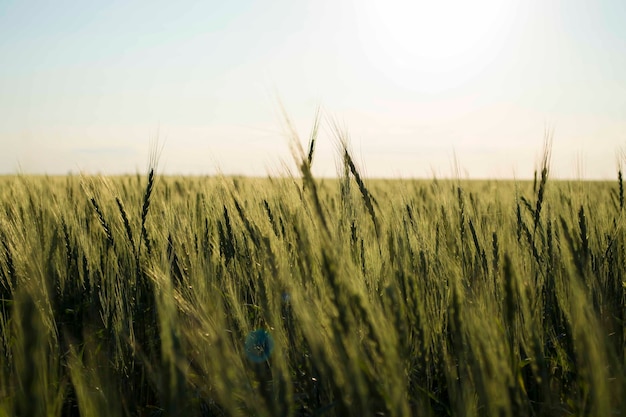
{"x": 259, "y": 345}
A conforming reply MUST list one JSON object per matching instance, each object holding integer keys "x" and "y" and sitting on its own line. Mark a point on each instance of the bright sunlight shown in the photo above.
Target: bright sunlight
{"x": 433, "y": 46}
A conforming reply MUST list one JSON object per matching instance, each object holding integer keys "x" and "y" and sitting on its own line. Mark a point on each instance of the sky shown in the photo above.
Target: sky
{"x": 414, "y": 85}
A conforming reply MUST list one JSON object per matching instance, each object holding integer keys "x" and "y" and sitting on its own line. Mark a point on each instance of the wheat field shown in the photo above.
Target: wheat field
{"x": 155, "y": 295}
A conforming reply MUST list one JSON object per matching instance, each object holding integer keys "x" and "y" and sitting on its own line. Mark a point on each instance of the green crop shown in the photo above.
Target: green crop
{"x": 205, "y": 296}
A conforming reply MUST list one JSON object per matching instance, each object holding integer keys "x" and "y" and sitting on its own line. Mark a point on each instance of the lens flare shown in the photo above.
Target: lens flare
{"x": 259, "y": 345}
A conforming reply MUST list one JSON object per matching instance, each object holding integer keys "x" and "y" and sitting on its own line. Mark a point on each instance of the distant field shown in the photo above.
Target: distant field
{"x": 158, "y": 296}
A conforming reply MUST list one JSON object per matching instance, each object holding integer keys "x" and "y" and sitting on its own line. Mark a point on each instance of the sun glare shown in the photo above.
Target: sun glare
{"x": 432, "y": 45}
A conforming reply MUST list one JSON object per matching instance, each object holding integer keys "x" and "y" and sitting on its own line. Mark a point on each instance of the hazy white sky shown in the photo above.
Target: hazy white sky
{"x": 85, "y": 86}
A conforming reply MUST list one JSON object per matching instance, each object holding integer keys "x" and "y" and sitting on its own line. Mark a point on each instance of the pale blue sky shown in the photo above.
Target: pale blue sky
{"x": 87, "y": 87}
